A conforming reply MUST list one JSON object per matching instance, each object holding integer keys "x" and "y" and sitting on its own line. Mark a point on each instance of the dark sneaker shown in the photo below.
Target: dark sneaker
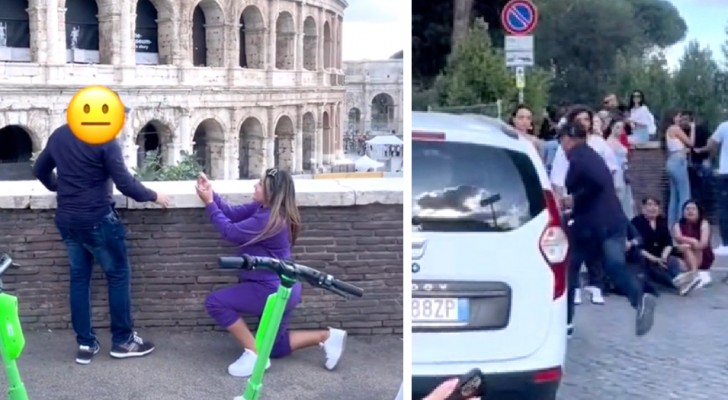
{"x": 569, "y": 331}
{"x": 136, "y": 347}
{"x": 86, "y": 353}
{"x": 645, "y": 314}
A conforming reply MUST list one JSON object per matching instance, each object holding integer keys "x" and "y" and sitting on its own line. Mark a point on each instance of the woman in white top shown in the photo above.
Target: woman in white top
{"x": 623, "y": 187}
{"x": 640, "y": 118}
{"x": 522, "y": 121}
{"x": 678, "y": 144}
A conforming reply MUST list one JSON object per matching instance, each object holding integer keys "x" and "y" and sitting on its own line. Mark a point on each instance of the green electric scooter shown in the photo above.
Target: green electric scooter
{"x": 12, "y": 340}
{"x": 270, "y": 321}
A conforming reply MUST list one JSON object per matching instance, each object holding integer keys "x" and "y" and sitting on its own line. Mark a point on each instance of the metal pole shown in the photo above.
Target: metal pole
{"x": 520, "y": 96}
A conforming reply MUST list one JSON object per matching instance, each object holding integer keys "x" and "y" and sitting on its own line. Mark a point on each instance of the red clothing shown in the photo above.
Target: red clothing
{"x": 624, "y": 140}
{"x": 692, "y": 230}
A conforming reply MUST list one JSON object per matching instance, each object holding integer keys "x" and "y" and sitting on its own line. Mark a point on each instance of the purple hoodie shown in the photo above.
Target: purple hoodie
{"x": 240, "y": 224}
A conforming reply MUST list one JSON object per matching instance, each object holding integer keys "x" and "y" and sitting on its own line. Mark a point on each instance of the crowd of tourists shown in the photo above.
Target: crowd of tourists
{"x": 652, "y": 248}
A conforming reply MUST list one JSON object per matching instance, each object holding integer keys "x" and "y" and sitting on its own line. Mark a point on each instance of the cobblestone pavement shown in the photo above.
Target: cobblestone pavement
{"x": 684, "y": 356}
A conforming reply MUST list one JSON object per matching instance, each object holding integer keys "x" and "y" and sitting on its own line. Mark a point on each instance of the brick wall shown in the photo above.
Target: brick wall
{"x": 647, "y": 170}
{"x": 173, "y": 255}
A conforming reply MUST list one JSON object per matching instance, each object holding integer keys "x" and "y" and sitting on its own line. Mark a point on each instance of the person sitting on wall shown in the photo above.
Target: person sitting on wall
{"x": 268, "y": 226}
{"x": 692, "y": 234}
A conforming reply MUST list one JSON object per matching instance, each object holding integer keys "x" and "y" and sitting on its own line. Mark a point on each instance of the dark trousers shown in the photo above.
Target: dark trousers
{"x": 611, "y": 248}
{"x": 593, "y": 263}
{"x": 105, "y": 243}
{"x": 663, "y": 276}
{"x": 722, "y": 202}
{"x": 702, "y": 183}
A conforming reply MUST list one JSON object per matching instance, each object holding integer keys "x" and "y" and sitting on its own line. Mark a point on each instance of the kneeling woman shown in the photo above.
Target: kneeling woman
{"x": 268, "y": 227}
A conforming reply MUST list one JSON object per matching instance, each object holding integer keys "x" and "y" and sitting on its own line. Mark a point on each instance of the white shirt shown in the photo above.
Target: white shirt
{"x": 560, "y": 165}
{"x": 721, "y": 137}
{"x": 643, "y": 116}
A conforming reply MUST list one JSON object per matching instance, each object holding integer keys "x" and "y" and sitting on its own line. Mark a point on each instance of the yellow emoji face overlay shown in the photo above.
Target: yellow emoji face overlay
{"x": 95, "y": 115}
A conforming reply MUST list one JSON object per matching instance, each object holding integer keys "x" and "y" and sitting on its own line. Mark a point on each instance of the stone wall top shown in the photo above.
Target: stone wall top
{"x": 309, "y": 193}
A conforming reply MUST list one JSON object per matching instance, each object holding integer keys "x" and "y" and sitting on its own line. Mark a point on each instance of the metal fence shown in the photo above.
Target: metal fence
{"x": 494, "y": 110}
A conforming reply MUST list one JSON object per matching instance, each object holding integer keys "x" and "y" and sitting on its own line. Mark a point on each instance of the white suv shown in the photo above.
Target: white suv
{"x": 489, "y": 259}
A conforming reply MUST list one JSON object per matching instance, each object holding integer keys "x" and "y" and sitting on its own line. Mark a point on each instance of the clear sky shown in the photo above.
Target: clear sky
{"x": 706, "y": 20}
{"x": 374, "y": 29}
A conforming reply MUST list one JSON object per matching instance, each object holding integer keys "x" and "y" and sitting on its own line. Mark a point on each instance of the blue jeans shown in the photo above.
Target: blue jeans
{"x": 722, "y": 201}
{"x": 679, "y": 180}
{"x": 104, "y": 243}
{"x": 611, "y": 247}
{"x": 639, "y": 136}
{"x": 549, "y": 149}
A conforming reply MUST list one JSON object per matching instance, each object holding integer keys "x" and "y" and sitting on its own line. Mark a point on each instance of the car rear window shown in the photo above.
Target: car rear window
{"x": 465, "y": 187}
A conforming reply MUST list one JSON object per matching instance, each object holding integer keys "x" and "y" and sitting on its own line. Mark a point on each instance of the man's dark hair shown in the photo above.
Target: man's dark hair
{"x": 573, "y": 130}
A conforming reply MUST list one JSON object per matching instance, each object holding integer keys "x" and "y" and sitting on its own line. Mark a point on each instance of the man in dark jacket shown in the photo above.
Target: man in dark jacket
{"x": 597, "y": 220}
{"x": 92, "y": 231}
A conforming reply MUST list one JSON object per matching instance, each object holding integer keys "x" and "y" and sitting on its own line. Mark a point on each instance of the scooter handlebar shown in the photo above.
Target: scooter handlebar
{"x": 6, "y": 262}
{"x": 289, "y": 268}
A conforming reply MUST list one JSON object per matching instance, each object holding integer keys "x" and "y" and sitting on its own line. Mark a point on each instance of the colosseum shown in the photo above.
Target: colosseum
{"x": 244, "y": 85}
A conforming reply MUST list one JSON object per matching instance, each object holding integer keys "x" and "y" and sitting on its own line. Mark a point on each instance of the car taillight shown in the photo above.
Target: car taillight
{"x": 554, "y": 245}
{"x": 547, "y": 375}
{"x": 419, "y": 136}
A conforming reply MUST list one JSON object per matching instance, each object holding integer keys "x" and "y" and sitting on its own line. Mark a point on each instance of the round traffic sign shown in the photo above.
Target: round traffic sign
{"x": 519, "y": 17}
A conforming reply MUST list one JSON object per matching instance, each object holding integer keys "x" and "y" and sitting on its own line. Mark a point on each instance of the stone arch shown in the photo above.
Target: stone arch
{"x": 285, "y": 40}
{"x": 17, "y": 145}
{"x": 326, "y": 139}
{"x": 15, "y": 31}
{"x": 152, "y": 143}
{"x": 251, "y": 161}
{"x": 284, "y": 143}
{"x": 208, "y": 25}
{"x": 310, "y": 44}
{"x": 354, "y": 134}
{"x": 328, "y": 45}
{"x": 208, "y": 144}
{"x": 252, "y": 38}
{"x": 83, "y": 36}
{"x": 152, "y": 32}
{"x": 354, "y": 120}
{"x": 382, "y": 112}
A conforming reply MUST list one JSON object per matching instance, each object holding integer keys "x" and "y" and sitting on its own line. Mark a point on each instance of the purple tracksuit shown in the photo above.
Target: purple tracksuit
{"x": 240, "y": 224}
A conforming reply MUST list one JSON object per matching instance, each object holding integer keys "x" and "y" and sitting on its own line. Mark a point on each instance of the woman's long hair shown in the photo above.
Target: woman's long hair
{"x": 279, "y": 193}
{"x": 701, "y": 213}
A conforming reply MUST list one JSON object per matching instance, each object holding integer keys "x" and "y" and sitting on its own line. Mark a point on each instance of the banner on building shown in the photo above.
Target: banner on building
{"x": 146, "y": 40}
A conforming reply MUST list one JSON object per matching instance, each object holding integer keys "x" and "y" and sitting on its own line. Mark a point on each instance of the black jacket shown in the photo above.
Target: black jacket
{"x": 596, "y": 209}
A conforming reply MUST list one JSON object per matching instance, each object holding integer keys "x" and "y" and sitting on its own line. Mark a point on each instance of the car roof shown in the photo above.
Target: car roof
{"x": 478, "y": 129}
{"x": 471, "y": 128}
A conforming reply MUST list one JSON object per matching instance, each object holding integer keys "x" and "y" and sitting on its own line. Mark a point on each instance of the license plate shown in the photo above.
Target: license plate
{"x": 434, "y": 310}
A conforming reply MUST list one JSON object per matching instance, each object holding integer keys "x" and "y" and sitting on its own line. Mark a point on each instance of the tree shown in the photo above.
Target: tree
{"x": 579, "y": 40}
{"x": 476, "y": 74}
{"x": 462, "y": 11}
{"x": 649, "y": 74}
{"x": 695, "y": 82}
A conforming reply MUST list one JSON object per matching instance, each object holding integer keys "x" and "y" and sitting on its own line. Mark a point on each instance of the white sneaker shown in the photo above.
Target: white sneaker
{"x": 577, "y": 296}
{"x": 334, "y": 347}
{"x": 721, "y": 251}
{"x": 243, "y": 366}
{"x": 705, "y": 278}
{"x": 596, "y": 295}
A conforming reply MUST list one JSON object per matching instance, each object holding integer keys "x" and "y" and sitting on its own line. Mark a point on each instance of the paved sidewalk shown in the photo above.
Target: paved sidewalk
{"x": 685, "y": 356}
{"x": 193, "y": 366}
